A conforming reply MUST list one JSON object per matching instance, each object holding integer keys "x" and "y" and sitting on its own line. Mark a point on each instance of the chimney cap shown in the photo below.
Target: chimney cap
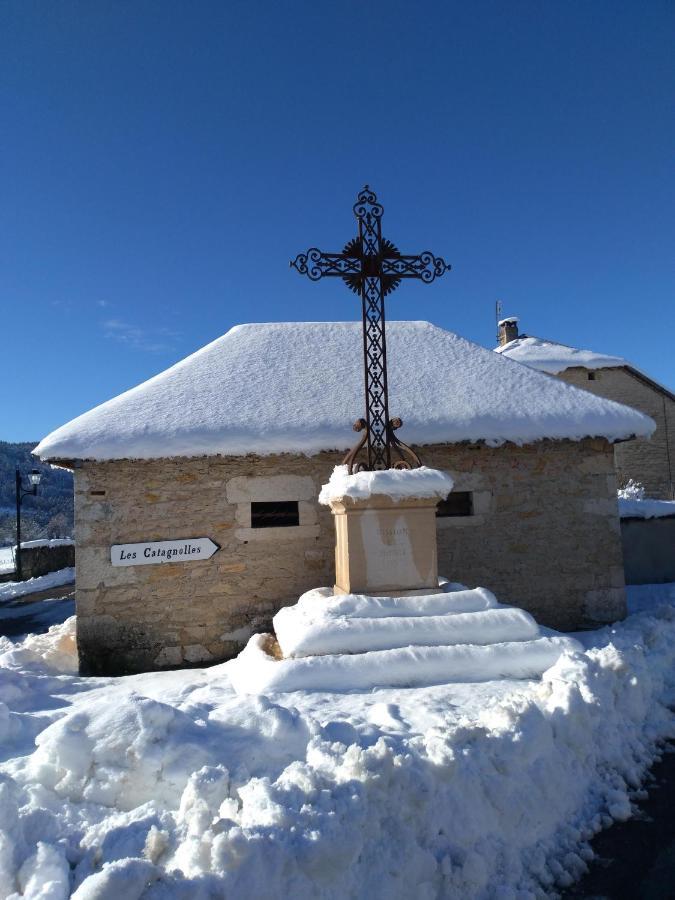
{"x": 509, "y": 320}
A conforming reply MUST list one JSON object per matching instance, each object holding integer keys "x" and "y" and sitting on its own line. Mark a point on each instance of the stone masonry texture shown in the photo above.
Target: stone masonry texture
{"x": 37, "y": 561}
{"x": 649, "y": 461}
{"x": 545, "y": 536}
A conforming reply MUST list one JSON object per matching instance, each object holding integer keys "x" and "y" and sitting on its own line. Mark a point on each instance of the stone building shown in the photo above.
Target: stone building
{"x": 651, "y": 462}
{"x": 234, "y": 443}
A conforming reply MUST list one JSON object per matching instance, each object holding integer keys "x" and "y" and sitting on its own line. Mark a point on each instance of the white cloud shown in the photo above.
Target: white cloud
{"x": 148, "y": 340}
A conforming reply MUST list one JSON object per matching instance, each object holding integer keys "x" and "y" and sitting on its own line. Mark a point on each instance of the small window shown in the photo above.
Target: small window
{"x": 591, "y": 376}
{"x": 457, "y": 503}
{"x": 277, "y": 514}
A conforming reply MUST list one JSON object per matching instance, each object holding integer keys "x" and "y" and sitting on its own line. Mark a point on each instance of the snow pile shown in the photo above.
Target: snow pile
{"x": 632, "y": 490}
{"x": 10, "y": 590}
{"x": 551, "y": 357}
{"x": 173, "y": 785}
{"x": 56, "y": 650}
{"x": 357, "y": 642}
{"x": 397, "y": 484}
{"x": 445, "y": 389}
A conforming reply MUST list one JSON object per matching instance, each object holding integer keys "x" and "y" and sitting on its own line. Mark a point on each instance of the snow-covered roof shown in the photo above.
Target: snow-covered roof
{"x": 298, "y": 387}
{"x": 551, "y": 357}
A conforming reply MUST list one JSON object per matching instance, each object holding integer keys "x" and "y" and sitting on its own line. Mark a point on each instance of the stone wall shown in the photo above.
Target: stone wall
{"x": 545, "y": 535}
{"x": 37, "y": 561}
{"x": 651, "y": 462}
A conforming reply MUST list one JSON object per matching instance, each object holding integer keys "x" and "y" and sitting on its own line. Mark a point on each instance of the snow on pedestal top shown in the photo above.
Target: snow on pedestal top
{"x": 297, "y": 387}
{"x": 398, "y": 484}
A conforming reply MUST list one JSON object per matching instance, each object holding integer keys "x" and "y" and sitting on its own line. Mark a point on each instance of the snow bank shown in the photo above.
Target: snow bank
{"x": 478, "y": 790}
{"x": 55, "y": 651}
{"x": 173, "y": 785}
{"x": 551, "y": 357}
{"x": 10, "y": 590}
{"x": 444, "y": 388}
{"x": 397, "y": 484}
{"x": 119, "y": 756}
{"x": 301, "y": 635}
{"x": 255, "y": 672}
{"x": 632, "y": 490}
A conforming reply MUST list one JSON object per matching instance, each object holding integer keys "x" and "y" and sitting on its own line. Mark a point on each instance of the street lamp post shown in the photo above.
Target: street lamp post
{"x": 22, "y": 492}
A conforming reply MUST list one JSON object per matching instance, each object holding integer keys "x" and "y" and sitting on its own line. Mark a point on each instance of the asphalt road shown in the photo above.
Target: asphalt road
{"x": 635, "y": 860}
{"x": 37, "y": 612}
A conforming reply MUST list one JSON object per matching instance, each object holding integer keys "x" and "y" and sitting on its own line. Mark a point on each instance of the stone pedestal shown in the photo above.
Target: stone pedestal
{"x": 385, "y": 546}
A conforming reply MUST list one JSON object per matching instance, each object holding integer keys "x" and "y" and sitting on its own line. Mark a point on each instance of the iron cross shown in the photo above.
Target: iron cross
{"x": 373, "y": 267}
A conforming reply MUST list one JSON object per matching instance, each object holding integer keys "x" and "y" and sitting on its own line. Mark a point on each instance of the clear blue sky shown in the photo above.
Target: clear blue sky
{"x": 161, "y": 162}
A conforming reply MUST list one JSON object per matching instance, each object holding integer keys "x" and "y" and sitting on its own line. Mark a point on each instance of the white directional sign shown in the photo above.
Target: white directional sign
{"x": 151, "y": 552}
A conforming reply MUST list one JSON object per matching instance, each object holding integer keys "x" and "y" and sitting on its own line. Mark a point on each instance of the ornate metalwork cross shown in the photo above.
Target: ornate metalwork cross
{"x": 373, "y": 267}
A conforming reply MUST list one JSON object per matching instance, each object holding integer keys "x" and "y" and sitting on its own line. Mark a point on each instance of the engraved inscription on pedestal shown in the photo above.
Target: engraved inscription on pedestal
{"x": 384, "y": 546}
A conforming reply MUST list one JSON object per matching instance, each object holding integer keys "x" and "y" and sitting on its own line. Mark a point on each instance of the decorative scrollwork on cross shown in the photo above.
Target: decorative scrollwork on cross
{"x": 373, "y": 267}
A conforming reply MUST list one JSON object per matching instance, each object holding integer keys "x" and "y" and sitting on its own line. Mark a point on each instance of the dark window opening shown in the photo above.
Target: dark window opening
{"x": 457, "y": 503}
{"x": 277, "y": 514}
{"x": 591, "y": 376}
{"x": 97, "y": 493}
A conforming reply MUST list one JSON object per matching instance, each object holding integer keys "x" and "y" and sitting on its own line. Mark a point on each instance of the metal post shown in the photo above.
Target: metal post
{"x": 17, "y": 555}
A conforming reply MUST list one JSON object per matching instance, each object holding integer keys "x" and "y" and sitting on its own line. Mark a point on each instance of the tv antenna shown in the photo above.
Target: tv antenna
{"x": 498, "y": 316}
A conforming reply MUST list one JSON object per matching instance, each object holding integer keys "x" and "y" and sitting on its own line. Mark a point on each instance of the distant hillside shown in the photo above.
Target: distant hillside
{"x": 50, "y": 513}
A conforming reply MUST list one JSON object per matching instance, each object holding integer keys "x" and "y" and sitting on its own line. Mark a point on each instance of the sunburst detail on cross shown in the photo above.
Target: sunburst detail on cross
{"x": 373, "y": 267}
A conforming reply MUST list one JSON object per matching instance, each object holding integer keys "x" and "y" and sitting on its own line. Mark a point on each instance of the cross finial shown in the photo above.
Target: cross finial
{"x": 373, "y": 267}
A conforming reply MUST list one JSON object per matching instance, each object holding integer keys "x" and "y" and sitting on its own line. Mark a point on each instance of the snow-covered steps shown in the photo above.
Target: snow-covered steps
{"x": 299, "y": 635}
{"x": 328, "y": 642}
{"x": 256, "y": 671}
{"x": 323, "y": 603}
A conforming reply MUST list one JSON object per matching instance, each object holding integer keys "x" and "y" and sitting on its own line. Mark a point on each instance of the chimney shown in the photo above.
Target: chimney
{"x": 508, "y": 330}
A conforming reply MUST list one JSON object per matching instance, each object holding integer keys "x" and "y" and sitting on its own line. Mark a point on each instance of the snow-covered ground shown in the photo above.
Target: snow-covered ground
{"x": 11, "y": 590}
{"x": 171, "y": 785}
{"x": 6, "y": 559}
